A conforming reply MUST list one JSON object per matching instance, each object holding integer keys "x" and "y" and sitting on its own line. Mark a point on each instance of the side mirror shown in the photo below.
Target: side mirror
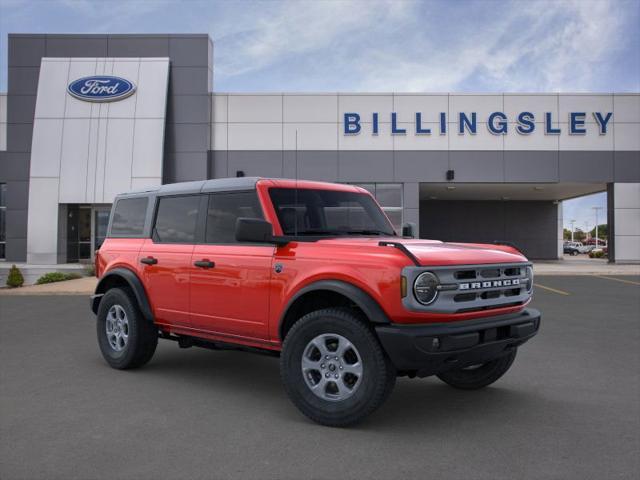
{"x": 408, "y": 230}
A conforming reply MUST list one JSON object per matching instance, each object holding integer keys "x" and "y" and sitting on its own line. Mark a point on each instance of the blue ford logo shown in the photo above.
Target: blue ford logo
{"x": 102, "y": 88}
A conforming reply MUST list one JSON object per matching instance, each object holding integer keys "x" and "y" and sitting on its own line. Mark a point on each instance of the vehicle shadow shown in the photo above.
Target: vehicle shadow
{"x": 415, "y": 405}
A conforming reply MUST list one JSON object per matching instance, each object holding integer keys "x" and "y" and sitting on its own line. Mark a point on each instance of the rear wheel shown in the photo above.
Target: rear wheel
{"x": 479, "y": 376}
{"x": 334, "y": 369}
{"x": 126, "y": 338}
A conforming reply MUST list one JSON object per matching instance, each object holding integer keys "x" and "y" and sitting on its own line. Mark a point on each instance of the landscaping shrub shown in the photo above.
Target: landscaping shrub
{"x": 90, "y": 270}
{"x": 15, "y": 278}
{"x": 596, "y": 254}
{"x": 52, "y": 277}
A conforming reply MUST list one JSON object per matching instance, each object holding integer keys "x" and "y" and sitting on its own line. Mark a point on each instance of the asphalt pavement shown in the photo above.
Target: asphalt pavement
{"x": 569, "y": 408}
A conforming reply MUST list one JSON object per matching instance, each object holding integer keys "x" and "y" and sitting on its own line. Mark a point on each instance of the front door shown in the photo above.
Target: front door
{"x": 229, "y": 280}
{"x": 165, "y": 259}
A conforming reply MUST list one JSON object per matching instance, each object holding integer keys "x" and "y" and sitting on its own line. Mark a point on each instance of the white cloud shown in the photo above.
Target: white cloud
{"x": 533, "y": 46}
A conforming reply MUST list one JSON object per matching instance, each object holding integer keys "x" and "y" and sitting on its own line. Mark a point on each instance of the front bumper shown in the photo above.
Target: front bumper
{"x": 426, "y": 350}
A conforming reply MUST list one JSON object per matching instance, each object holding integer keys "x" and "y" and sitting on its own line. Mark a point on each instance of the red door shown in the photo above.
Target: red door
{"x": 229, "y": 293}
{"x": 165, "y": 259}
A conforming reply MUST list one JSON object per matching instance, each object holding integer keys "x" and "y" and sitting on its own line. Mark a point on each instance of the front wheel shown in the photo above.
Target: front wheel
{"x": 334, "y": 369}
{"x": 479, "y": 376}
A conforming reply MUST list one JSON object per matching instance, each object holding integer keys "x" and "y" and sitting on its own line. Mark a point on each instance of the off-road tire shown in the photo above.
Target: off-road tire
{"x": 480, "y": 377}
{"x": 378, "y": 378}
{"x": 142, "y": 334}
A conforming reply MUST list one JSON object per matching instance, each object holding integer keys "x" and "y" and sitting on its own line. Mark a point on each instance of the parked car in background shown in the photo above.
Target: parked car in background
{"x": 569, "y": 248}
{"x": 577, "y": 246}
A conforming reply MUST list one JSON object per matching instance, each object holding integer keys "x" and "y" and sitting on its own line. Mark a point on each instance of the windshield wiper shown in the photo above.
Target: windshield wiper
{"x": 320, "y": 232}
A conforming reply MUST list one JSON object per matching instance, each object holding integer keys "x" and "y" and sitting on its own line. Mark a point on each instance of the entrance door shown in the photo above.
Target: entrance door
{"x": 230, "y": 280}
{"x": 78, "y": 233}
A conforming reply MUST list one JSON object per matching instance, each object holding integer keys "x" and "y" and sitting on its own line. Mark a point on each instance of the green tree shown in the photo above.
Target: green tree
{"x": 15, "y": 278}
{"x": 603, "y": 231}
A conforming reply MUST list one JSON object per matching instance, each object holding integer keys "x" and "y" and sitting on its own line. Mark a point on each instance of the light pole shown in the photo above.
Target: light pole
{"x": 572, "y": 222}
{"x": 596, "y": 210}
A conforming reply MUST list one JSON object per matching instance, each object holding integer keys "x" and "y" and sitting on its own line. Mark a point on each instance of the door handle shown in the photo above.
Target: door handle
{"x": 149, "y": 260}
{"x": 204, "y": 264}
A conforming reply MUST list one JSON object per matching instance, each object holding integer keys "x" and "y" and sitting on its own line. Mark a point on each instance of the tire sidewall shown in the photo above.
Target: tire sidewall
{"x": 122, "y": 358}
{"x": 299, "y": 337}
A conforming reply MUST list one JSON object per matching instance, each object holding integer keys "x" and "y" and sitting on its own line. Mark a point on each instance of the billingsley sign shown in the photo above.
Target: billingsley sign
{"x": 497, "y": 123}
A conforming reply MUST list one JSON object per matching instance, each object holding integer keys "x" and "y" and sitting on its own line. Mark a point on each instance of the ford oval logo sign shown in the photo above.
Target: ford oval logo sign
{"x": 101, "y": 88}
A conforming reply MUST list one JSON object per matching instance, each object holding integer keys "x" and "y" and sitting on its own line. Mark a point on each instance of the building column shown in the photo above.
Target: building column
{"x": 624, "y": 222}
{"x": 560, "y": 237}
{"x": 411, "y": 206}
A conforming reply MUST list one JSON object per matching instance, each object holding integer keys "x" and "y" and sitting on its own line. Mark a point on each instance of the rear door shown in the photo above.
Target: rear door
{"x": 166, "y": 257}
{"x": 230, "y": 280}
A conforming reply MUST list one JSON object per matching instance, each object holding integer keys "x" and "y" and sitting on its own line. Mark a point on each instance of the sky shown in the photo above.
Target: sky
{"x": 377, "y": 45}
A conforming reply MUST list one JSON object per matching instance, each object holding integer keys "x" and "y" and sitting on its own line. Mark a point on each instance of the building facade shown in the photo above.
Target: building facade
{"x": 461, "y": 167}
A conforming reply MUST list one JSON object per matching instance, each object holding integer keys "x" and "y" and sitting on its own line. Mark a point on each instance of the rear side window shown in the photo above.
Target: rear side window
{"x": 176, "y": 219}
{"x": 224, "y": 209}
{"x": 128, "y": 217}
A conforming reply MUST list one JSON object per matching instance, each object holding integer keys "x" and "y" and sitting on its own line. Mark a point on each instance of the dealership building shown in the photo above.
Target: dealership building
{"x": 86, "y": 117}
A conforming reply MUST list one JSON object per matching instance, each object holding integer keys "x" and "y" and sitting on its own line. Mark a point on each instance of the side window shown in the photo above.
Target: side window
{"x": 225, "y": 209}
{"x": 128, "y": 217}
{"x": 176, "y": 219}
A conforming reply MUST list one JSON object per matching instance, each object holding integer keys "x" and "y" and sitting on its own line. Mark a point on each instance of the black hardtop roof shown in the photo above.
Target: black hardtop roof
{"x": 200, "y": 186}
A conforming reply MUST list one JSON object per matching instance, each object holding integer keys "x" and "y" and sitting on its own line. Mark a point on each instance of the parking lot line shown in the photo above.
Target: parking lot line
{"x": 554, "y": 290}
{"x": 618, "y": 279}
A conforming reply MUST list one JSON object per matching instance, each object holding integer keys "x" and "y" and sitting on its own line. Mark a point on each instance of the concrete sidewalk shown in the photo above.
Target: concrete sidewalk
{"x": 80, "y": 286}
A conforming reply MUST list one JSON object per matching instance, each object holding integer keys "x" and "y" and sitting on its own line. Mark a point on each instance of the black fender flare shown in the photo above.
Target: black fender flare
{"x": 359, "y": 297}
{"x": 132, "y": 281}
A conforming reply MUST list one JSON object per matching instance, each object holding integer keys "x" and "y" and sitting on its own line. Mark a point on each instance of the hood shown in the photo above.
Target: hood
{"x": 433, "y": 252}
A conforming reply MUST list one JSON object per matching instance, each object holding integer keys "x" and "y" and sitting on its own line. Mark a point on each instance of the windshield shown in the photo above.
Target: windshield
{"x": 328, "y": 212}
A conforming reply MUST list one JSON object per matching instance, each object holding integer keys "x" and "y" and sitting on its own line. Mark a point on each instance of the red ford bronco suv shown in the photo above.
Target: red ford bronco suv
{"x": 315, "y": 273}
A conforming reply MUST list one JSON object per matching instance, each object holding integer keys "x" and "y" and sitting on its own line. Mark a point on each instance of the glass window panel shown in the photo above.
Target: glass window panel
{"x": 128, "y": 217}
{"x": 2, "y": 250}
{"x": 389, "y": 194}
{"x": 395, "y": 216}
{"x": 225, "y": 209}
{"x": 3, "y": 194}
{"x": 176, "y": 219}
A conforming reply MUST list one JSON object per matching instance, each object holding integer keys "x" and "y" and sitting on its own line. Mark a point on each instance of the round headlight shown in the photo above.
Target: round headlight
{"x": 425, "y": 288}
{"x": 529, "y": 279}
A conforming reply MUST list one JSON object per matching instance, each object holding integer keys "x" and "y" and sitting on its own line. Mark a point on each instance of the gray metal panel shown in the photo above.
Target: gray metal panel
{"x": 311, "y": 165}
{"x": 189, "y": 51}
{"x": 22, "y": 108}
{"x": 26, "y": 50}
{"x": 586, "y": 166}
{"x": 184, "y": 166}
{"x": 261, "y": 163}
{"x": 15, "y": 166}
{"x": 188, "y": 109}
{"x": 423, "y": 166}
{"x": 23, "y": 81}
{"x": 16, "y": 249}
{"x": 138, "y": 46}
{"x": 17, "y": 195}
{"x": 188, "y": 80}
{"x": 17, "y": 220}
{"x": 76, "y": 46}
{"x": 187, "y": 137}
{"x": 218, "y": 164}
{"x": 365, "y": 166}
{"x": 626, "y": 166}
{"x": 19, "y": 137}
{"x": 477, "y": 166}
{"x": 531, "y": 166}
